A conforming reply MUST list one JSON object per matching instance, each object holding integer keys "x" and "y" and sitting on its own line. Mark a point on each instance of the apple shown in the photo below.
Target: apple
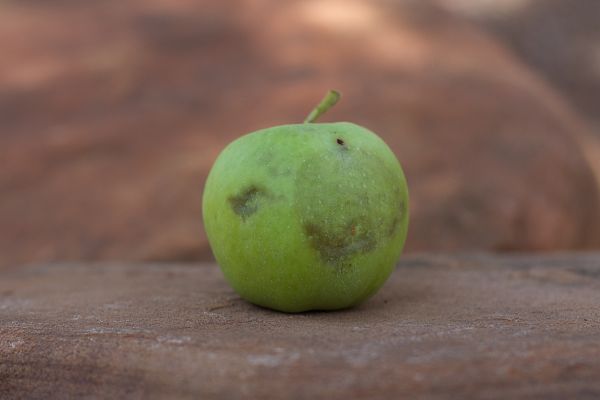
{"x": 309, "y": 216}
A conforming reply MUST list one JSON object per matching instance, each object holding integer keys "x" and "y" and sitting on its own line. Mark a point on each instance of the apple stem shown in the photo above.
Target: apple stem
{"x": 326, "y": 103}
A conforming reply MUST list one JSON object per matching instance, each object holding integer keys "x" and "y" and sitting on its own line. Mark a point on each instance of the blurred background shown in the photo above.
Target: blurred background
{"x": 112, "y": 112}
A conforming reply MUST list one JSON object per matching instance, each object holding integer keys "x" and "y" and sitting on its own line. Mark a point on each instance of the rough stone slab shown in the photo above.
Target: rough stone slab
{"x": 443, "y": 327}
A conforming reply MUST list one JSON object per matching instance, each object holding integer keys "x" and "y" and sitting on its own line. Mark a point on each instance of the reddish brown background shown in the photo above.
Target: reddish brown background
{"x": 112, "y": 112}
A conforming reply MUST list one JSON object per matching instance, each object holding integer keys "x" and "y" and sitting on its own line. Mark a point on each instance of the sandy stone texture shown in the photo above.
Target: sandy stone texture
{"x": 443, "y": 327}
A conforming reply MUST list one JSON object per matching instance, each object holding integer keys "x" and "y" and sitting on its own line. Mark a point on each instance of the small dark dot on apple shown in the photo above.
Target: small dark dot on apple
{"x": 340, "y": 142}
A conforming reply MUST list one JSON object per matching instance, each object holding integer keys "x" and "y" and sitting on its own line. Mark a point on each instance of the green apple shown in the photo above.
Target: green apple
{"x": 309, "y": 216}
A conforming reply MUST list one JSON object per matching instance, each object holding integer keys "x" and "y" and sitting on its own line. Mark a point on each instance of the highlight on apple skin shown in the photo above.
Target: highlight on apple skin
{"x": 309, "y": 216}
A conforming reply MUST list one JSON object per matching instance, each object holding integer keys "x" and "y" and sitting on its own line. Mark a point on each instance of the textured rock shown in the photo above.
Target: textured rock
{"x": 473, "y": 326}
{"x": 112, "y": 112}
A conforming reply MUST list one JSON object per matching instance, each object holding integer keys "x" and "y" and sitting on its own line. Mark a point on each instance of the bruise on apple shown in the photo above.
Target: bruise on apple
{"x": 348, "y": 203}
{"x": 335, "y": 247}
{"x": 394, "y": 226}
{"x": 246, "y": 202}
{"x": 397, "y": 218}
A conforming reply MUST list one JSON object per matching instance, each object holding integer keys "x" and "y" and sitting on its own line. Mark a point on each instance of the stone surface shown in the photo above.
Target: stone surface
{"x": 470, "y": 326}
{"x": 112, "y": 112}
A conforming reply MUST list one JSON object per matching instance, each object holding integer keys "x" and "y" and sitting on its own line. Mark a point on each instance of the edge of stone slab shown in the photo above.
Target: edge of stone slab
{"x": 589, "y": 259}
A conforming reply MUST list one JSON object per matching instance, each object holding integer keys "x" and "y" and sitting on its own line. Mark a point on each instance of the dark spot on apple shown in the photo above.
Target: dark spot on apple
{"x": 246, "y": 202}
{"x": 340, "y": 141}
{"x": 397, "y": 218}
{"x": 340, "y": 225}
{"x": 335, "y": 246}
{"x": 394, "y": 226}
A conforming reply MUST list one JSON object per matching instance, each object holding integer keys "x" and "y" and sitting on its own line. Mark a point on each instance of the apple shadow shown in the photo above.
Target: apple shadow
{"x": 396, "y": 297}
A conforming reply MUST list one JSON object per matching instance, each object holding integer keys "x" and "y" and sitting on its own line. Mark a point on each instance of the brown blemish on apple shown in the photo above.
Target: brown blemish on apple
{"x": 394, "y": 226}
{"x": 335, "y": 247}
{"x": 397, "y": 218}
{"x": 245, "y": 203}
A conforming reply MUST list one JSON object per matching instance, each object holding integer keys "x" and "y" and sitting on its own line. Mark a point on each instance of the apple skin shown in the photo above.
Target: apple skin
{"x": 308, "y": 216}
